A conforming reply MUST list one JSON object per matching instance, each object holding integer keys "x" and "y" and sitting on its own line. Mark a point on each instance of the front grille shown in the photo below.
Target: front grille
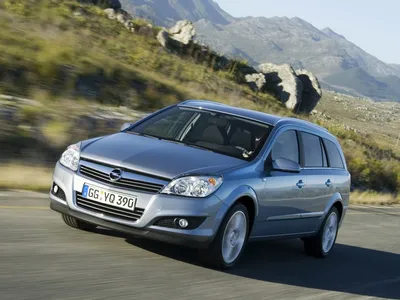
{"x": 109, "y": 210}
{"x": 122, "y": 183}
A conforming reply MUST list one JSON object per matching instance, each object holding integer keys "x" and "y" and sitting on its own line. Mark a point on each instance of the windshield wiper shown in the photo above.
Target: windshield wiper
{"x": 171, "y": 140}
{"x": 144, "y": 134}
{"x": 197, "y": 147}
{"x": 186, "y": 144}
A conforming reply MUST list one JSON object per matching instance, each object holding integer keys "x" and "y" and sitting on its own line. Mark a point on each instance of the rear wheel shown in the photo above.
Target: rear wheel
{"x": 78, "y": 224}
{"x": 322, "y": 244}
{"x": 230, "y": 241}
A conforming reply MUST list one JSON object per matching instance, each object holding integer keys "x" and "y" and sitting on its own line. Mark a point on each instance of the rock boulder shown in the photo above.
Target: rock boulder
{"x": 256, "y": 81}
{"x": 110, "y": 13}
{"x": 283, "y": 82}
{"x": 121, "y": 18}
{"x": 312, "y": 92}
{"x": 163, "y": 37}
{"x": 183, "y": 32}
{"x": 130, "y": 26}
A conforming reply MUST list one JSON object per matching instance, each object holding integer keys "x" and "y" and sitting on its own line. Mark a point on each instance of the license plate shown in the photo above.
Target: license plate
{"x": 95, "y": 193}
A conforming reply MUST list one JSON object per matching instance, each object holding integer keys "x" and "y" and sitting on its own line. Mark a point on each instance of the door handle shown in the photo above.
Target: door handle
{"x": 328, "y": 183}
{"x": 300, "y": 184}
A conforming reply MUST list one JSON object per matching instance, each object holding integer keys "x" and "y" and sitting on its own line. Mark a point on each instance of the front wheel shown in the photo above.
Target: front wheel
{"x": 230, "y": 241}
{"x": 322, "y": 244}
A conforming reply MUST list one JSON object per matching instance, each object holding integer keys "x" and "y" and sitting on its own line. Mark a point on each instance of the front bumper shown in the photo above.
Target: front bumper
{"x": 154, "y": 205}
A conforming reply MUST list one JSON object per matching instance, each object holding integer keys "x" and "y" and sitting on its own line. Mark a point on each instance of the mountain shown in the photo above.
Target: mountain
{"x": 396, "y": 67}
{"x": 330, "y": 33}
{"x": 365, "y": 84}
{"x": 294, "y": 41}
{"x": 167, "y": 12}
{"x": 280, "y": 40}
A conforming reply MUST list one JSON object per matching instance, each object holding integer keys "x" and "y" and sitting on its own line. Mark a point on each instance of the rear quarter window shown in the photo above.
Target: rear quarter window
{"x": 334, "y": 157}
{"x": 313, "y": 154}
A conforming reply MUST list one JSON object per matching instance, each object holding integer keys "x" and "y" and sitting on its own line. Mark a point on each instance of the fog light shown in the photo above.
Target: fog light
{"x": 186, "y": 223}
{"x": 182, "y": 223}
{"x": 55, "y": 189}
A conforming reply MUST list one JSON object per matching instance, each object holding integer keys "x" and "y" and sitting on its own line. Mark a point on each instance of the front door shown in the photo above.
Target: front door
{"x": 282, "y": 202}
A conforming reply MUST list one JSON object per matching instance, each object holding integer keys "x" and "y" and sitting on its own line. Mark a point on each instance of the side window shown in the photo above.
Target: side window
{"x": 334, "y": 158}
{"x": 286, "y": 146}
{"x": 312, "y": 150}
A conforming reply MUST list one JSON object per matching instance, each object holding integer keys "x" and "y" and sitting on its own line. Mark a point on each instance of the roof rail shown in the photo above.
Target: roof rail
{"x": 205, "y": 101}
{"x": 304, "y": 122}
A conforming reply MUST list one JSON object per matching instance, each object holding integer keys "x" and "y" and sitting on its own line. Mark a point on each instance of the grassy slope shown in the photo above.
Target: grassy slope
{"x": 45, "y": 46}
{"x": 371, "y": 142}
{"x": 49, "y": 53}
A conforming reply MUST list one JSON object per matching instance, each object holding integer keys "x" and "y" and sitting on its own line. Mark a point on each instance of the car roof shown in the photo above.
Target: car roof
{"x": 251, "y": 114}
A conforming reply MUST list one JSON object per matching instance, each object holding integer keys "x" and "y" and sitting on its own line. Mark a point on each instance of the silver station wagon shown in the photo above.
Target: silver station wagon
{"x": 209, "y": 176}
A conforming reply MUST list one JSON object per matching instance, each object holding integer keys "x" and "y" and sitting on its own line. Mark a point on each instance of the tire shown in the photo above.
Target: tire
{"x": 78, "y": 224}
{"x": 214, "y": 256}
{"x": 318, "y": 246}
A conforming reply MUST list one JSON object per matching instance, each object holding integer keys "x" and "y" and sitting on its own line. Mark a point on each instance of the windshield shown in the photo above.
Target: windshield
{"x": 213, "y": 131}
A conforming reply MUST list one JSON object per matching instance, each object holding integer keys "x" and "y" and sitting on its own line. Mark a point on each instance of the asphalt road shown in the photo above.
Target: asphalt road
{"x": 41, "y": 258}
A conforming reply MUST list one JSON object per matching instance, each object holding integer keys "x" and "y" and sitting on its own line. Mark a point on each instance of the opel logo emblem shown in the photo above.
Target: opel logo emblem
{"x": 115, "y": 175}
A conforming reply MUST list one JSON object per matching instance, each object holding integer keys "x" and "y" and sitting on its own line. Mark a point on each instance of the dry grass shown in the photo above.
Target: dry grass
{"x": 374, "y": 198}
{"x": 20, "y": 177}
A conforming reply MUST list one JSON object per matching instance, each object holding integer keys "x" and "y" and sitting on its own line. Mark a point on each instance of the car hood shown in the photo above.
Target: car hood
{"x": 155, "y": 157}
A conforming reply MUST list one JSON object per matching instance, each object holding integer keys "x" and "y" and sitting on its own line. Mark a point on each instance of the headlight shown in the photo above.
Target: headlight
{"x": 70, "y": 158}
{"x": 193, "y": 186}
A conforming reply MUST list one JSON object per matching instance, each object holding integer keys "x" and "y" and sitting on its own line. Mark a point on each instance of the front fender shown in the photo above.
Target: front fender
{"x": 239, "y": 192}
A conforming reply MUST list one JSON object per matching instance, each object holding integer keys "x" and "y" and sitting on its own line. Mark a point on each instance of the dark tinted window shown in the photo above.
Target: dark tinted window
{"x": 286, "y": 146}
{"x": 334, "y": 158}
{"x": 218, "y": 132}
{"x": 312, "y": 150}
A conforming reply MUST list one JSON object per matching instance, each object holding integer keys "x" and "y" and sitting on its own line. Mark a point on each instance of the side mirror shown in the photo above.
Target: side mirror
{"x": 125, "y": 126}
{"x": 285, "y": 165}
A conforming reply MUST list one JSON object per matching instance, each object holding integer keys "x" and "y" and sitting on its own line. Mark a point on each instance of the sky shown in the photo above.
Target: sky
{"x": 373, "y": 25}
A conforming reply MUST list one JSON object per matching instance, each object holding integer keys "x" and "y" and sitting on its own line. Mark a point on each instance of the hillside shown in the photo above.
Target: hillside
{"x": 66, "y": 50}
{"x": 280, "y": 40}
{"x": 71, "y": 60}
{"x": 63, "y": 54}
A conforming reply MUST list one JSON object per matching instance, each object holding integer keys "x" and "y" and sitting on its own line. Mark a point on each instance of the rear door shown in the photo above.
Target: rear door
{"x": 320, "y": 179}
{"x": 338, "y": 175}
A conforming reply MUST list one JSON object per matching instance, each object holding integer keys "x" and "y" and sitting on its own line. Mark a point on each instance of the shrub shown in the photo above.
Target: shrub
{"x": 57, "y": 132}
